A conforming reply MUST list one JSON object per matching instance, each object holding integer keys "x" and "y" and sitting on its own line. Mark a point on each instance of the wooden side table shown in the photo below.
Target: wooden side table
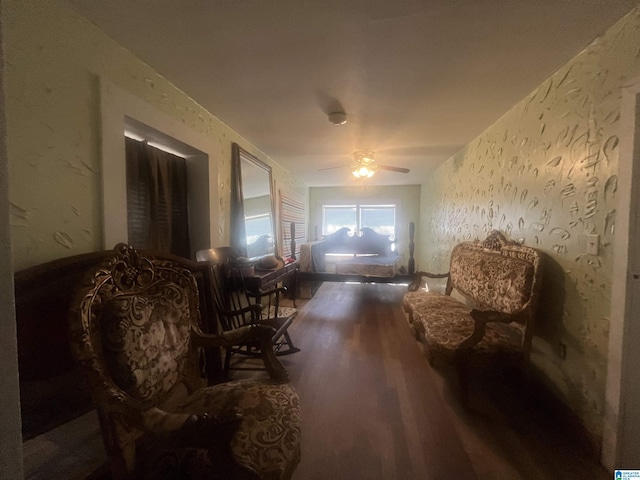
{"x": 263, "y": 280}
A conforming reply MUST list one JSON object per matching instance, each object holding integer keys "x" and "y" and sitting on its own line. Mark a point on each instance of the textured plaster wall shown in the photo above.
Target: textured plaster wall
{"x": 546, "y": 174}
{"x": 406, "y": 198}
{"x": 54, "y": 60}
{"x": 10, "y": 426}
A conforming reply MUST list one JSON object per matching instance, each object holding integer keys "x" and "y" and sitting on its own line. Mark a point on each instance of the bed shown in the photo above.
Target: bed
{"x": 341, "y": 256}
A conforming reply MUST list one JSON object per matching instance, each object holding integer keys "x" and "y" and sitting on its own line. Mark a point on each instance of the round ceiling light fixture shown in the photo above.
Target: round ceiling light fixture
{"x": 363, "y": 157}
{"x": 364, "y": 171}
{"x": 338, "y": 118}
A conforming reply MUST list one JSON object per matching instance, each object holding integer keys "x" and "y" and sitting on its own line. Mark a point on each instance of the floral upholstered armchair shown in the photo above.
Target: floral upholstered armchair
{"x": 134, "y": 330}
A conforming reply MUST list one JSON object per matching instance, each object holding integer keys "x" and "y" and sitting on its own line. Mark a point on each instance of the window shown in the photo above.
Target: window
{"x": 157, "y": 211}
{"x": 336, "y": 217}
{"x": 380, "y": 218}
{"x": 256, "y": 225}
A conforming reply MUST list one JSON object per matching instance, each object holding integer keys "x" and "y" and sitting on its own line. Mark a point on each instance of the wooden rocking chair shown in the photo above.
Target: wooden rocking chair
{"x": 236, "y": 306}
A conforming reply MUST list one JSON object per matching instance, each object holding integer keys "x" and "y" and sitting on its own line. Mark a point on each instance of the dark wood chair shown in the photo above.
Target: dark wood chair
{"x": 135, "y": 332}
{"x": 237, "y": 306}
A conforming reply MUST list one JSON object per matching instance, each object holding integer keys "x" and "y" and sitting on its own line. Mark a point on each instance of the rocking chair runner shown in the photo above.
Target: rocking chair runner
{"x": 134, "y": 330}
{"x": 237, "y": 306}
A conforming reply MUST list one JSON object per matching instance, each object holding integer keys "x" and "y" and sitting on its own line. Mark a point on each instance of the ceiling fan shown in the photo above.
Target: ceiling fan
{"x": 365, "y": 165}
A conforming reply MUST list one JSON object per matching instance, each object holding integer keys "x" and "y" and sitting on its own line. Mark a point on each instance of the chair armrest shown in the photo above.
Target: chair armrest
{"x": 162, "y": 424}
{"x": 486, "y": 316}
{"x": 255, "y": 310}
{"x": 417, "y": 279}
{"x": 266, "y": 293}
{"x": 212, "y": 433}
{"x": 481, "y": 318}
{"x": 179, "y": 430}
{"x": 230, "y": 338}
{"x": 194, "y": 430}
{"x": 259, "y": 334}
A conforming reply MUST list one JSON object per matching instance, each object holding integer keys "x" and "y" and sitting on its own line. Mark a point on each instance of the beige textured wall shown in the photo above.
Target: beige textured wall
{"x": 406, "y": 198}
{"x": 546, "y": 173}
{"x": 54, "y": 60}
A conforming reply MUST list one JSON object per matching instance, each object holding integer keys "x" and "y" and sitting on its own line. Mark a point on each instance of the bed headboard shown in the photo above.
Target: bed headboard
{"x": 368, "y": 242}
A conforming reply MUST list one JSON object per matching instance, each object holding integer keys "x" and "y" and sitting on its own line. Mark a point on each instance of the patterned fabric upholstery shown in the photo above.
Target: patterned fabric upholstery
{"x": 145, "y": 340}
{"x": 268, "y": 440}
{"x": 135, "y": 332}
{"x": 269, "y": 311}
{"x": 412, "y": 302}
{"x": 494, "y": 280}
{"x": 500, "y": 281}
{"x": 443, "y": 323}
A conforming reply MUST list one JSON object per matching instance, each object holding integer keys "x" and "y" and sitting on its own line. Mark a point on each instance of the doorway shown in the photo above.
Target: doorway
{"x": 620, "y": 443}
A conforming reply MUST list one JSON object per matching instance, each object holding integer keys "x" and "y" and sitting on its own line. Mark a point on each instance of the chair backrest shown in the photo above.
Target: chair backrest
{"x": 217, "y": 255}
{"x": 229, "y": 292}
{"x": 231, "y": 298}
{"x": 496, "y": 274}
{"x": 130, "y": 327}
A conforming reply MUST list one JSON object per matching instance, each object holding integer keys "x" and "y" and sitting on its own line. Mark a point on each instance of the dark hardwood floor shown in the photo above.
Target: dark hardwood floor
{"x": 371, "y": 407}
{"x": 374, "y": 409}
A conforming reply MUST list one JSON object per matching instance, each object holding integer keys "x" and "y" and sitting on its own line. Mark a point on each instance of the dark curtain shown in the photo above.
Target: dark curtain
{"x": 157, "y": 214}
{"x": 238, "y": 227}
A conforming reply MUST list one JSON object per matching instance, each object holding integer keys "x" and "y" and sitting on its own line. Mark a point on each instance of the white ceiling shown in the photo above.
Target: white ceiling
{"x": 418, "y": 79}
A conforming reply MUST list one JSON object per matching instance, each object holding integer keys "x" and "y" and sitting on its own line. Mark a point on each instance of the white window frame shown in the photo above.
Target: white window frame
{"x": 359, "y": 208}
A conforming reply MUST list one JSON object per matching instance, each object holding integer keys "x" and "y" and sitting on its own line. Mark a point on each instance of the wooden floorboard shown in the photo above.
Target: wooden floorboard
{"x": 371, "y": 409}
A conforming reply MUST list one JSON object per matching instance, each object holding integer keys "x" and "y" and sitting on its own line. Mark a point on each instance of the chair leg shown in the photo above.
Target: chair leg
{"x": 291, "y": 348}
{"x": 227, "y": 362}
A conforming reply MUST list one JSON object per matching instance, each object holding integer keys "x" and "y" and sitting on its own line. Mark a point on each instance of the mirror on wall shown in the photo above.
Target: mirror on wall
{"x": 252, "y": 206}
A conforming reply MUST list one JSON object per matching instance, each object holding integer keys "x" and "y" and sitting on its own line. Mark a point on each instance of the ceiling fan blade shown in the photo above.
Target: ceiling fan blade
{"x": 332, "y": 168}
{"x": 393, "y": 169}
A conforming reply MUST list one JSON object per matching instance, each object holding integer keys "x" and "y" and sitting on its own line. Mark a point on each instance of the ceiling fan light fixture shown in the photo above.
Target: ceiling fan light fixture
{"x": 364, "y": 172}
{"x": 338, "y": 118}
{"x": 363, "y": 157}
